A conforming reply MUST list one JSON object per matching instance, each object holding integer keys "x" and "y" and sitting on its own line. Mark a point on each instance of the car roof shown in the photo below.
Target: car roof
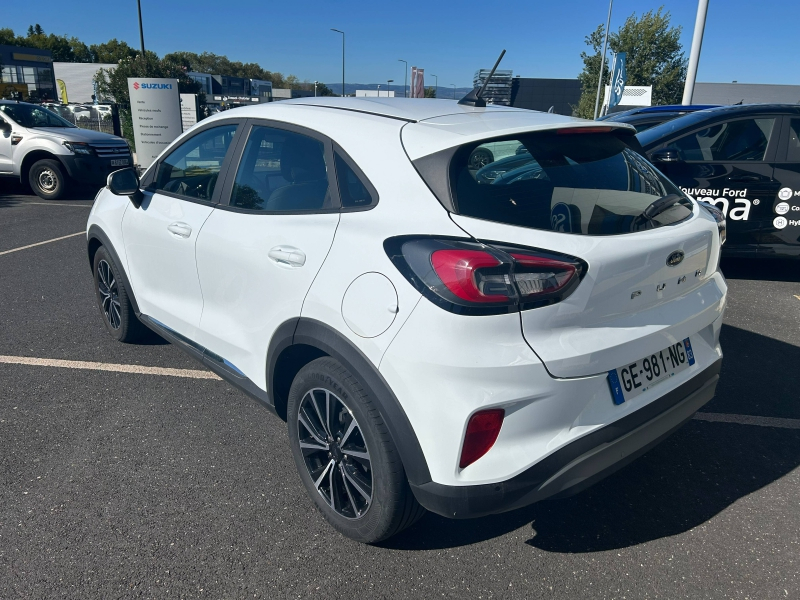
{"x": 437, "y": 124}
{"x": 404, "y": 109}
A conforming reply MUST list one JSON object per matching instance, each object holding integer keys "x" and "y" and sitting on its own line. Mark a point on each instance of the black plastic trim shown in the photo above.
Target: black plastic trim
{"x": 581, "y": 463}
{"x": 315, "y": 333}
{"x": 95, "y": 233}
{"x": 337, "y": 149}
{"x": 210, "y": 360}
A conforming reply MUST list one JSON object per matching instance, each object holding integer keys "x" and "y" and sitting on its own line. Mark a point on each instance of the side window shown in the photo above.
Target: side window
{"x": 193, "y": 167}
{"x": 793, "y": 154}
{"x": 745, "y": 139}
{"x": 281, "y": 171}
{"x": 352, "y": 190}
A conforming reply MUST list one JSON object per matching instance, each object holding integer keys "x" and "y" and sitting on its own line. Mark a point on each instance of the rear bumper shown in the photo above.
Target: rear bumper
{"x": 582, "y": 462}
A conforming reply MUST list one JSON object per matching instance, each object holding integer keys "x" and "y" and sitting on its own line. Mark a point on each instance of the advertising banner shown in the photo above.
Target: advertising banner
{"x": 188, "y": 110}
{"x": 417, "y": 82}
{"x": 618, "y": 78}
{"x": 156, "y": 112}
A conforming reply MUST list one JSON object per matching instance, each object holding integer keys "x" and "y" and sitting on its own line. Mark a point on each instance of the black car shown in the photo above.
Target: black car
{"x": 649, "y": 116}
{"x": 746, "y": 161}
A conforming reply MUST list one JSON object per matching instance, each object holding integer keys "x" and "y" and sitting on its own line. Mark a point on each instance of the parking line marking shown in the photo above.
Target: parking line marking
{"x": 749, "y": 420}
{"x": 63, "y": 237}
{"x": 54, "y": 204}
{"x": 98, "y": 366}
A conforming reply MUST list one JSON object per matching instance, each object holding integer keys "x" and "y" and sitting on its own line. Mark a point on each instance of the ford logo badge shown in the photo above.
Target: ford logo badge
{"x": 674, "y": 259}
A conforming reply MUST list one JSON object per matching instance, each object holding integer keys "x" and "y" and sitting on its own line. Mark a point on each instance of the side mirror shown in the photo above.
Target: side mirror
{"x": 125, "y": 182}
{"x": 5, "y": 126}
{"x": 666, "y": 155}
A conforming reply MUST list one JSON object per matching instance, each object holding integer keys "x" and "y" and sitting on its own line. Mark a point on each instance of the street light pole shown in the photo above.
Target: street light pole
{"x": 405, "y": 94}
{"x": 141, "y": 31}
{"x": 388, "y": 86}
{"x": 342, "y": 32}
{"x": 436, "y": 89}
{"x": 694, "y": 56}
{"x": 315, "y": 89}
{"x": 454, "y": 90}
{"x": 603, "y": 60}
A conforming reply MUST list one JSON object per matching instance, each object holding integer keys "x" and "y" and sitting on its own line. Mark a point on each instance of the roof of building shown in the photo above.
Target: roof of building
{"x": 749, "y": 93}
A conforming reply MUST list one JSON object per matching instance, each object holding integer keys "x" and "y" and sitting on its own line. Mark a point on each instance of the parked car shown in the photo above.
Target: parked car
{"x": 432, "y": 341}
{"x": 493, "y": 151}
{"x": 51, "y": 154}
{"x": 649, "y": 116}
{"x": 746, "y": 161}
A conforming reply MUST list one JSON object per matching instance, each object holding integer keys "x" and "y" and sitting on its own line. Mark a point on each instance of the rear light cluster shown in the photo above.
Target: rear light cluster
{"x": 469, "y": 277}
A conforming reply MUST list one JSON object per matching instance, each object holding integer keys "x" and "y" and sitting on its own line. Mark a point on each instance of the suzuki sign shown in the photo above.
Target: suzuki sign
{"x": 156, "y": 114}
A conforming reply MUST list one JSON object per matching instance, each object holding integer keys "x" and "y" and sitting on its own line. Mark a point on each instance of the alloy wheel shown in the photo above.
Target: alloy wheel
{"x": 335, "y": 453}
{"x": 109, "y": 294}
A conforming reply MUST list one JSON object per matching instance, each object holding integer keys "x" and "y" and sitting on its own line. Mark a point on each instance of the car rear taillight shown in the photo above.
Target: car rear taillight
{"x": 482, "y": 431}
{"x": 482, "y": 278}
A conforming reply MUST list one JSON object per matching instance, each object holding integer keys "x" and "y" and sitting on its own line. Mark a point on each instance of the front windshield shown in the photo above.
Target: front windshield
{"x": 30, "y": 115}
{"x": 656, "y": 133}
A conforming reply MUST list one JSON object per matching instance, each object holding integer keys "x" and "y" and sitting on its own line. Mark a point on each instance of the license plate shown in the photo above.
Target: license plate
{"x": 636, "y": 378}
{"x": 119, "y": 162}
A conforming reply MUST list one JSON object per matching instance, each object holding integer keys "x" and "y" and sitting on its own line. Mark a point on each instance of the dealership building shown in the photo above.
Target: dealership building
{"x": 26, "y": 73}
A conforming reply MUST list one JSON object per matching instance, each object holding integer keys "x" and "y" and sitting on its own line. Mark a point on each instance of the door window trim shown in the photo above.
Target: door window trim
{"x": 337, "y": 149}
{"x": 769, "y": 154}
{"x": 782, "y": 155}
{"x": 238, "y": 154}
{"x": 148, "y": 179}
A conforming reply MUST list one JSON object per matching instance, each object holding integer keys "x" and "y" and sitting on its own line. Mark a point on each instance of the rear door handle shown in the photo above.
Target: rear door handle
{"x": 287, "y": 256}
{"x": 180, "y": 229}
{"x": 745, "y": 178}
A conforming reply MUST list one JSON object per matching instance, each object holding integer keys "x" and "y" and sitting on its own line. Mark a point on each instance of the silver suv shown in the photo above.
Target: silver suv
{"x": 51, "y": 154}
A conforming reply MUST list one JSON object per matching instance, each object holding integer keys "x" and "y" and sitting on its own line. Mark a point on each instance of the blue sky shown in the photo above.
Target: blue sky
{"x": 752, "y": 42}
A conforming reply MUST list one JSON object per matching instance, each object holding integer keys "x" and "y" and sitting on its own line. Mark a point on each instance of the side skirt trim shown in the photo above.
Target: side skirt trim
{"x": 225, "y": 369}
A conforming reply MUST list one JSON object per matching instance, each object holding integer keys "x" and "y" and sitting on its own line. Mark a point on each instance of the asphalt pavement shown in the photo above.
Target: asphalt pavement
{"x": 141, "y": 485}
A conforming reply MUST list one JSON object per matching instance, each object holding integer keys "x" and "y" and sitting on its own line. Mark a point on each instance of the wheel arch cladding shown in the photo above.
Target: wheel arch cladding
{"x": 299, "y": 341}
{"x": 98, "y": 238}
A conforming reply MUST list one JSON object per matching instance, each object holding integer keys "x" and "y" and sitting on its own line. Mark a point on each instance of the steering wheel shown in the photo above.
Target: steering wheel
{"x": 212, "y": 182}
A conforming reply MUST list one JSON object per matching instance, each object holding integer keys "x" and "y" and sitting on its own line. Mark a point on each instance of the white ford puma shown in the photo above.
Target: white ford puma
{"x": 433, "y": 340}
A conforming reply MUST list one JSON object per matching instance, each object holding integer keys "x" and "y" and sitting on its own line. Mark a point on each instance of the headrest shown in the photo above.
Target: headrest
{"x": 302, "y": 159}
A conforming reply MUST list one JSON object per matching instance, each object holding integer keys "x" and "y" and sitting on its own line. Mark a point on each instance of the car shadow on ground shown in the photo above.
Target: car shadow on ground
{"x": 764, "y": 269}
{"x": 13, "y": 192}
{"x": 692, "y": 476}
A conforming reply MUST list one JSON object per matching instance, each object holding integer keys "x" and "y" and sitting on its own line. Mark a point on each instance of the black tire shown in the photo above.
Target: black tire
{"x": 114, "y": 302}
{"x": 47, "y": 179}
{"x": 341, "y": 498}
{"x": 480, "y": 158}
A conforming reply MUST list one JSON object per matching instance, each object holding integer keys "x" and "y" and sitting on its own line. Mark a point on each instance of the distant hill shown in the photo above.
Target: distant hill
{"x": 442, "y": 91}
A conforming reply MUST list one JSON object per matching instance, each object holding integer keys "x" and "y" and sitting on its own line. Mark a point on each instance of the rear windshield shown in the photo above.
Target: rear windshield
{"x": 579, "y": 183}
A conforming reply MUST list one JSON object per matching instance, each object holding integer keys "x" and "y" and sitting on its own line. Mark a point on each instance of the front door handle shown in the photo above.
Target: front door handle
{"x": 180, "y": 229}
{"x": 287, "y": 256}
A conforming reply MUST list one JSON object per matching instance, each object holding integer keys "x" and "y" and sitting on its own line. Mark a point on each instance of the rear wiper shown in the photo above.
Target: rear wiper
{"x": 659, "y": 206}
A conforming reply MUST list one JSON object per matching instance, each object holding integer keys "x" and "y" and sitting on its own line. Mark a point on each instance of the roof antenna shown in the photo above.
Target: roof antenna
{"x": 475, "y": 97}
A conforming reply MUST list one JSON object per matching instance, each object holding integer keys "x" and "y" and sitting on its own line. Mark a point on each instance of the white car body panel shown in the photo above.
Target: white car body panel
{"x": 247, "y": 295}
{"x": 471, "y": 363}
{"x": 605, "y": 324}
{"x": 161, "y": 264}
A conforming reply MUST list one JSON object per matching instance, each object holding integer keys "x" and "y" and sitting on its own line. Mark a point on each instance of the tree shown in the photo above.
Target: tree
{"x": 111, "y": 52}
{"x": 654, "y": 57}
{"x": 430, "y": 92}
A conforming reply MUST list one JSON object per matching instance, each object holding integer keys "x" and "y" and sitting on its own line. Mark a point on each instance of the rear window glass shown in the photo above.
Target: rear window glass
{"x": 579, "y": 183}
